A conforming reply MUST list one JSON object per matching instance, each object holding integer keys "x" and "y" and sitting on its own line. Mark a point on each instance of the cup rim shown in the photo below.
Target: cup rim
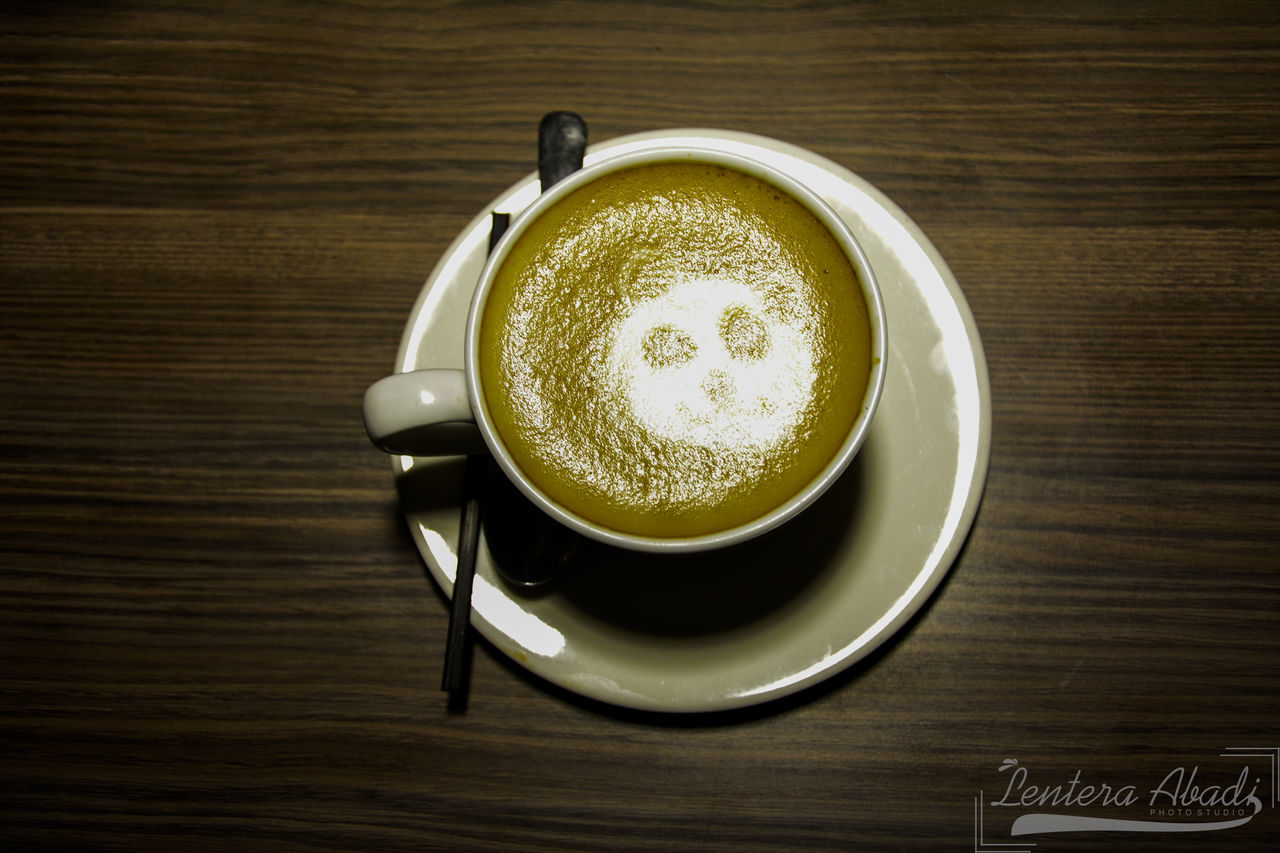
{"x": 799, "y": 501}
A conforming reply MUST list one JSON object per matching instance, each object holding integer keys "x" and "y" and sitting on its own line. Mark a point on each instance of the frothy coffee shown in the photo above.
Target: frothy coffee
{"x": 674, "y": 349}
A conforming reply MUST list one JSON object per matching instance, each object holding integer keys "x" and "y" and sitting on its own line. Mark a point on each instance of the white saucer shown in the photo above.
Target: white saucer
{"x": 737, "y": 628}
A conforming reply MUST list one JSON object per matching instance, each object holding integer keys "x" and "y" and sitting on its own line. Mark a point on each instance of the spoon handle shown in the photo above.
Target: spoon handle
{"x": 562, "y": 142}
{"x": 473, "y": 480}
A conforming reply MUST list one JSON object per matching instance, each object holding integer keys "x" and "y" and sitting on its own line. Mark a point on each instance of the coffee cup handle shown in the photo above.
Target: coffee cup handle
{"x": 422, "y": 413}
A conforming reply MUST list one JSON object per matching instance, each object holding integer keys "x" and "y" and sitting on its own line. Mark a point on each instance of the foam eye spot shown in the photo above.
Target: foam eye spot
{"x": 666, "y": 346}
{"x": 744, "y": 334}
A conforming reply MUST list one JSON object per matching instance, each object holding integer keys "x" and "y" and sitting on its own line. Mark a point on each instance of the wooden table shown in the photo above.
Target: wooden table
{"x": 215, "y": 632}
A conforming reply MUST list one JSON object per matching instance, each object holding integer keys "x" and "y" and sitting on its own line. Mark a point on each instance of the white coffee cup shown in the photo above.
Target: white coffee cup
{"x": 434, "y": 412}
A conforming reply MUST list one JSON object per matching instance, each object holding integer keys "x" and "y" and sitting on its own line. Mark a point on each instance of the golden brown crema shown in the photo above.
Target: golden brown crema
{"x": 674, "y": 349}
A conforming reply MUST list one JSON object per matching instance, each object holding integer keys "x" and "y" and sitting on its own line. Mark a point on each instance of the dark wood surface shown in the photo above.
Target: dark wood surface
{"x": 215, "y": 632}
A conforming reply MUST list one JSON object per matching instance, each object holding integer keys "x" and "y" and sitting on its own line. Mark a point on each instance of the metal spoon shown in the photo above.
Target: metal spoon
{"x": 527, "y": 547}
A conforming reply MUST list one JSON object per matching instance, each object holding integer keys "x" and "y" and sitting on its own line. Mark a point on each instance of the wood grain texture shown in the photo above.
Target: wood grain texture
{"x": 214, "y": 218}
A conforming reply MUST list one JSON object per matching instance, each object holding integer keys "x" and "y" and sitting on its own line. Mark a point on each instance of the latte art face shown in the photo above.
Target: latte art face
{"x": 706, "y": 363}
{"x": 674, "y": 349}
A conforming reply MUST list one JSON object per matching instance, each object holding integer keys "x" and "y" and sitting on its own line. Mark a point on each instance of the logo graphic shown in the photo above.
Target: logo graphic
{"x": 1185, "y": 799}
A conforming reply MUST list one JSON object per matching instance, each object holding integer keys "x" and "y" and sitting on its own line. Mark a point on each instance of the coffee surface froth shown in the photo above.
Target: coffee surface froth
{"x": 674, "y": 349}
